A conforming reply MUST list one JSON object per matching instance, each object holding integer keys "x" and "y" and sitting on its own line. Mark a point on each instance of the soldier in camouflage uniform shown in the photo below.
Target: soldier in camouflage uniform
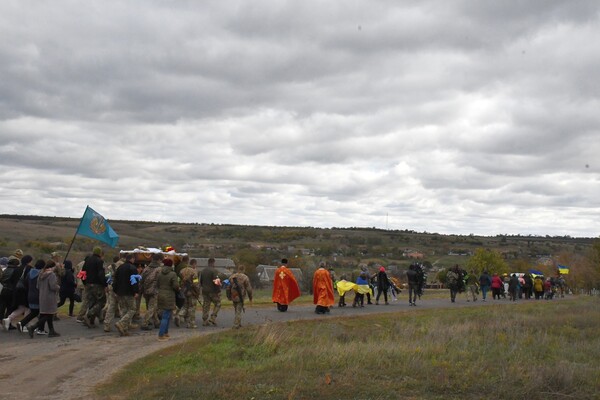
{"x": 180, "y": 312}
{"x": 239, "y": 288}
{"x": 149, "y": 290}
{"x": 126, "y": 288}
{"x": 95, "y": 286}
{"x": 111, "y": 297}
{"x": 191, "y": 290}
{"x": 211, "y": 293}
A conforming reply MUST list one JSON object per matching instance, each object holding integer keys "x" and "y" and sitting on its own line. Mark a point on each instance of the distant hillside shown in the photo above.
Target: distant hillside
{"x": 41, "y": 235}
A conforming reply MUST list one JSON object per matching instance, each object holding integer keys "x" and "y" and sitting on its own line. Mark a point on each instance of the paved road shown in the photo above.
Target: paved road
{"x": 68, "y": 367}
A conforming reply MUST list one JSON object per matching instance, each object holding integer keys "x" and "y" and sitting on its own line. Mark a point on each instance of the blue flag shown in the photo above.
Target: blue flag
{"x": 93, "y": 225}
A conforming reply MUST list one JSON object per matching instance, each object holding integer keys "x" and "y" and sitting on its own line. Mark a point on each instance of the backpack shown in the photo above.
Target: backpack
{"x": 7, "y": 276}
{"x": 233, "y": 290}
{"x": 452, "y": 278}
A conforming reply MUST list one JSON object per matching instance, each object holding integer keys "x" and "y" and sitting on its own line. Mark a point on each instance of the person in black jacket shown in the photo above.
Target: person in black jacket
{"x": 10, "y": 277}
{"x": 67, "y": 287}
{"x": 125, "y": 285}
{"x": 20, "y": 305}
{"x": 413, "y": 284}
{"x": 383, "y": 284}
{"x": 95, "y": 286}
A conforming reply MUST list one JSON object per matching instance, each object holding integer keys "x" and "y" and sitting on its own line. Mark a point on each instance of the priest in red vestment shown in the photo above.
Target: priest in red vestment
{"x": 322, "y": 290}
{"x": 285, "y": 287}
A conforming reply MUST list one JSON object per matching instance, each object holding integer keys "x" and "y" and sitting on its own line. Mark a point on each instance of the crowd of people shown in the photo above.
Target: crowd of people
{"x": 111, "y": 295}
{"x": 506, "y": 286}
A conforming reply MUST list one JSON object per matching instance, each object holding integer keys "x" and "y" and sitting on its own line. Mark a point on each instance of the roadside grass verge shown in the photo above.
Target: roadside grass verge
{"x": 533, "y": 350}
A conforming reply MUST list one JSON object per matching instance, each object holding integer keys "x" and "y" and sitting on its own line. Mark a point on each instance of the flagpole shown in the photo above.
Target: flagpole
{"x": 75, "y": 235}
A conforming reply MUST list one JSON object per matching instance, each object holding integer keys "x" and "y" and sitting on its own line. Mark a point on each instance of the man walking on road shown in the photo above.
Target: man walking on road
{"x": 239, "y": 288}
{"x": 211, "y": 293}
{"x": 125, "y": 286}
{"x": 95, "y": 282}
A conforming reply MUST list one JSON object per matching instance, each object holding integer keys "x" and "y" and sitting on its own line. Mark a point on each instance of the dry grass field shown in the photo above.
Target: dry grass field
{"x": 535, "y": 350}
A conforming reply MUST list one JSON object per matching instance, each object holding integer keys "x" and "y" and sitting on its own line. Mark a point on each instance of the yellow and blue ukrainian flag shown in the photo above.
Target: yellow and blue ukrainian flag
{"x": 93, "y": 225}
{"x": 563, "y": 269}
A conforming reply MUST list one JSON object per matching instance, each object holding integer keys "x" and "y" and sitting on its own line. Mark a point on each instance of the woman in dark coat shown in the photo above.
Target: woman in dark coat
{"x": 10, "y": 277}
{"x": 49, "y": 287}
{"x": 20, "y": 305}
{"x": 67, "y": 287}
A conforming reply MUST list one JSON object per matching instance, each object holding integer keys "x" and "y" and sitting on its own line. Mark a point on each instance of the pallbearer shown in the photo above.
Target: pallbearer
{"x": 285, "y": 287}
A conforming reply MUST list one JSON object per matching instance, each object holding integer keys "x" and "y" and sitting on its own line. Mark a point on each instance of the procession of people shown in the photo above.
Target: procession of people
{"x": 111, "y": 295}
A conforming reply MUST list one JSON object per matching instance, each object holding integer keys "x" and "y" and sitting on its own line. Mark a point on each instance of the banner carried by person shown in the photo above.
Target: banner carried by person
{"x": 535, "y": 273}
{"x": 95, "y": 226}
{"x": 563, "y": 269}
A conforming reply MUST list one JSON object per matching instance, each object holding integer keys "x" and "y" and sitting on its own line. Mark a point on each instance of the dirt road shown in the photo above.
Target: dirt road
{"x": 70, "y": 366}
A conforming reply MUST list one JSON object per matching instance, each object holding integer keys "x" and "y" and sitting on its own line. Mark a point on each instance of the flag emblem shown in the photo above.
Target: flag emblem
{"x": 97, "y": 225}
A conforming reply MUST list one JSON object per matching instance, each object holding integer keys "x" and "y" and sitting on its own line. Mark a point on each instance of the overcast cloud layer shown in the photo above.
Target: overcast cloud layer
{"x": 440, "y": 116}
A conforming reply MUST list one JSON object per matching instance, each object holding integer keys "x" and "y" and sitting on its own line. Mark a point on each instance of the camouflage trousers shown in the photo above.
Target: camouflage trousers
{"x": 151, "y": 316}
{"x": 96, "y": 298}
{"x": 127, "y": 307}
{"x": 138, "y": 307}
{"x": 471, "y": 292}
{"x": 238, "y": 307}
{"x": 84, "y": 304}
{"x": 208, "y": 298}
{"x": 110, "y": 309}
{"x": 188, "y": 311}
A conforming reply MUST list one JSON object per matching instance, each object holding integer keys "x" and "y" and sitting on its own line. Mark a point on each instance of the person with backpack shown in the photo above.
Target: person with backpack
{"x": 453, "y": 281}
{"x": 239, "y": 287}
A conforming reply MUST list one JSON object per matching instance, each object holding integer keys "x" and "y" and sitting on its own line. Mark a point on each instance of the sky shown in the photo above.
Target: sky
{"x": 456, "y": 117}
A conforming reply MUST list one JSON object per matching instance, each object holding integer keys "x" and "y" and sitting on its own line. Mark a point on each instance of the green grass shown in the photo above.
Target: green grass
{"x": 540, "y": 350}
